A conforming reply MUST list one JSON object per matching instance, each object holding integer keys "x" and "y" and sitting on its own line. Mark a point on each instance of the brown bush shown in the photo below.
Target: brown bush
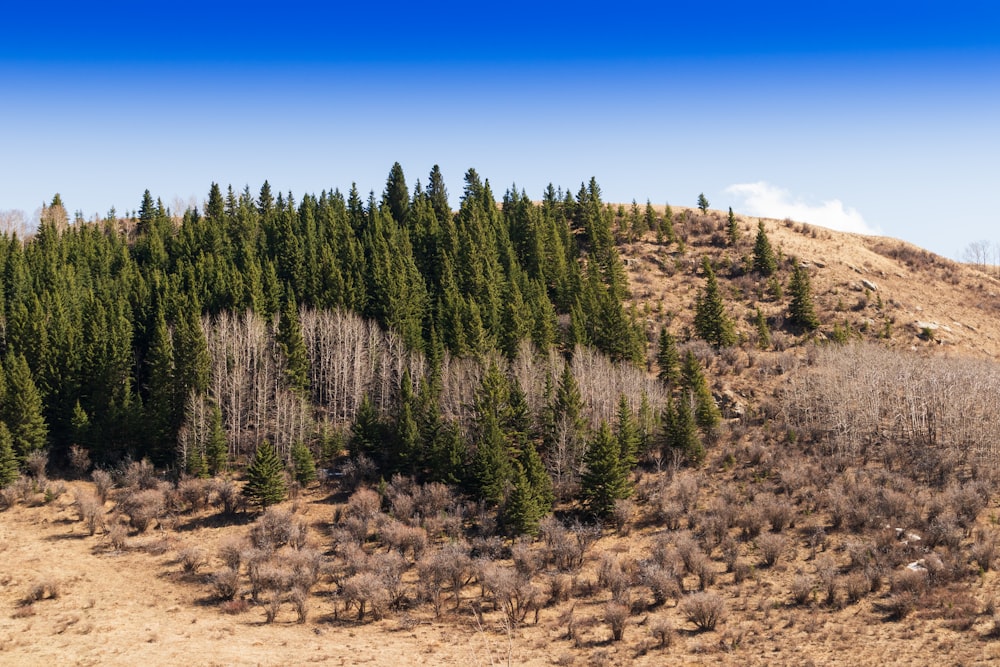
{"x": 90, "y": 509}
{"x": 42, "y": 589}
{"x": 662, "y": 583}
{"x": 192, "y": 559}
{"x": 802, "y": 589}
{"x": 663, "y": 630}
{"x": 79, "y": 461}
{"x": 984, "y": 550}
{"x": 616, "y": 615}
{"x": 194, "y": 492}
{"x": 273, "y": 529}
{"x": 771, "y": 547}
{"x": 117, "y": 534}
{"x": 367, "y": 592}
{"x": 231, "y": 552}
{"x": 225, "y": 583}
{"x": 703, "y": 609}
{"x": 103, "y": 483}
{"x": 227, "y": 496}
{"x": 143, "y": 508}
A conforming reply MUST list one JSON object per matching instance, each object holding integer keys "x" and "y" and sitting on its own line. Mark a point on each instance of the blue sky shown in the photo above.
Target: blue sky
{"x": 864, "y": 116}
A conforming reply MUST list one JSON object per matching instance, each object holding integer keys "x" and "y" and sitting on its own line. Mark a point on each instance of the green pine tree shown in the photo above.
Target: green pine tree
{"x": 710, "y": 320}
{"x": 293, "y": 346}
{"x": 303, "y": 464}
{"x": 605, "y": 480}
{"x": 627, "y": 435}
{"x": 667, "y": 358}
{"x": 703, "y": 203}
{"x": 265, "y": 477}
{"x": 732, "y": 228}
{"x": 8, "y": 459}
{"x": 763, "y": 331}
{"x": 694, "y": 382}
{"x": 764, "y": 261}
{"x": 216, "y": 448}
{"x": 680, "y": 429}
{"x": 801, "y": 311}
{"x": 23, "y": 409}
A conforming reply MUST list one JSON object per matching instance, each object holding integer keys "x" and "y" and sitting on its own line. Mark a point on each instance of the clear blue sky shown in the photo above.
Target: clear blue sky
{"x": 865, "y": 115}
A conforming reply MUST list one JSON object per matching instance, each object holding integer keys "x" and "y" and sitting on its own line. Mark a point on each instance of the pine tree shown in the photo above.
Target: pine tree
{"x": 693, "y": 378}
{"x": 801, "y": 310}
{"x": 710, "y": 320}
{"x": 531, "y": 494}
{"x": 763, "y": 331}
{"x": 703, "y": 203}
{"x": 8, "y": 459}
{"x": 732, "y": 228}
{"x": 265, "y": 477}
{"x": 627, "y": 435}
{"x": 303, "y": 464}
{"x": 604, "y": 480}
{"x": 764, "y": 261}
{"x": 667, "y": 358}
{"x": 216, "y": 449}
{"x": 293, "y": 346}
{"x": 681, "y": 433}
{"x": 23, "y": 409}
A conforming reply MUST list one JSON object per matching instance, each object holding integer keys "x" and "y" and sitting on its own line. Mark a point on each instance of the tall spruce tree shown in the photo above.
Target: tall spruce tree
{"x": 23, "y": 409}
{"x": 8, "y": 459}
{"x": 710, "y": 320}
{"x": 764, "y": 261}
{"x": 801, "y": 311}
{"x": 293, "y": 347}
{"x": 732, "y": 228}
{"x": 680, "y": 430}
{"x": 265, "y": 477}
{"x": 706, "y": 412}
{"x": 667, "y": 358}
{"x": 605, "y": 480}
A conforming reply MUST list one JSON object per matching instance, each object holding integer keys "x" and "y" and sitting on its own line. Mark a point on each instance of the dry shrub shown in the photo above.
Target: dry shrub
{"x": 117, "y": 535}
{"x": 750, "y": 521}
{"x": 103, "y": 483}
{"x": 403, "y": 538}
{"x": 984, "y": 550}
{"x": 896, "y": 606}
{"x": 137, "y": 475}
{"x": 89, "y": 508}
{"x": 616, "y": 615}
{"x": 741, "y": 571}
{"x": 684, "y": 490}
{"x": 225, "y": 583}
{"x": 434, "y": 499}
{"x": 778, "y": 512}
{"x": 944, "y": 530}
{"x": 856, "y": 587}
{"x": 527, "y": 561}
{"x": 622, "y": 514}
{"x": 704, "y": 609}
{"x": 909, "y": 581}
{"x": 367, "y": 592}
{"x": 300, "y": 600}
{"x": 192, "y": 559}
{"x": 79, "y": 461}
{"x": 564, "y": 550}
{"x": 143, "y": 508}
{"x": 560, "y": 586}
{"x": 272, "y": 605}
{"x": 364, "y": 504}
{"x": 273, "y": 529}
{"x": 36, "y": 462}
{"x": 234, "y": 607}
{"x": 224, "y": 494}
{"x": 305, "y": 566}
{"x": 231, "y": 552}
{"x": 194, "y": 492}
{"x": 43, "y": 589}
{"x": 771, "y": 546}
{"x": 802, "y": 589}
{"x": 662, "y": 583}
{"x": 614, "y": 576}
{"x": 663, "y": 631}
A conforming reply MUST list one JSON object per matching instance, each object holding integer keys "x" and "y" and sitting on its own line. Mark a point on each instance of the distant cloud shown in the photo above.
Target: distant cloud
{"x": 764, "y": 200}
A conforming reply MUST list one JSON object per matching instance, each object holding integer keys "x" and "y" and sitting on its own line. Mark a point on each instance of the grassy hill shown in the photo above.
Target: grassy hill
{"x": 846, "y": 511}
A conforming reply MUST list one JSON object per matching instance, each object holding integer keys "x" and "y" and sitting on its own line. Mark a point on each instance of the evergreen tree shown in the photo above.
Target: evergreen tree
{"x": 710, "y": 320}
{"x": 216, "y": 449}
{"x": 265, "y": 477}
{"x": 293, "y": 346}
{"x": 732, "y": 228}
{"x": 801, "y": 311}
{"x": 764, "y": 261}
{"x": 681, "y": 433}
{"x": 531, "y": 495}
{"x": 627, "y": 435}
{"x": 667, "y": 358}
{"x": 667, "y": 224}
{"x": 22, "y": 411}
{"x": 605, "y": 480}
{"x": 703, "y": 203}
{"x": 303, "y": 464}
{"x": 8, "y": 459}
{"x": 706, "y": 411}
{"x": 763, "y": 331}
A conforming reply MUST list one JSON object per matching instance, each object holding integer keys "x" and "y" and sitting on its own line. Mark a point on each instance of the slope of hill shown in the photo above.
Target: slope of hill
{"x": 835, "y": 519}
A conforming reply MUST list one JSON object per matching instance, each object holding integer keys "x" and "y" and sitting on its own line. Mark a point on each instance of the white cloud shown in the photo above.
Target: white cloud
{"x": 764, "y": 200}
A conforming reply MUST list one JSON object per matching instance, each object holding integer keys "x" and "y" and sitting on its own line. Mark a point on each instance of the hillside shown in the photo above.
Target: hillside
{"x": 843, "y": 510}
